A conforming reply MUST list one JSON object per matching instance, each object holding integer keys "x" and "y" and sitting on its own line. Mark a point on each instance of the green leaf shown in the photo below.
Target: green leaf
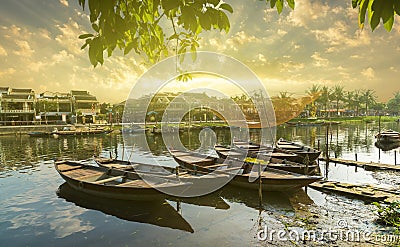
{"x": 374, "y": 13}
{"x": 389, "y": 23}
{"x": 279, "y": 6}
{"x": 85, "y": 36}
{"x": 95, "y": 27}
{"x": 223, "y": 22}
{"x": 362, "y": 12}
{"x": 387, "y": 14}
{"x": 205, "y": 20}
{"x": 396, "y": 6}
{"x": 84, "y": 46}
{"x": 226, "y": 7}
{"x": 291, "y": 3}
{"x": 272, "y": 3}
{"x": 170, "y": 4}
{"x": 355, "y": 3}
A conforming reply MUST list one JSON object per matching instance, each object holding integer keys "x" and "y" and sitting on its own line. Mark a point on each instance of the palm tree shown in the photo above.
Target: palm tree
{"x": 349, "y": 99}
{"x": 324, "y": 99}
{"x": 357, "y": 101}
{"x": 337, "y": 95}
{"x": 313, "y": 92}
{"x": 393, "y": 104}
{"x": 368, "y": 97}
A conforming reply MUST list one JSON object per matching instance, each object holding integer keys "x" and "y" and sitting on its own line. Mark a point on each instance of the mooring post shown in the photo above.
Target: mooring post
{"x": 395, "y": 157}
{"x": 355, "y": 156}
{"x": 319, "y": 148}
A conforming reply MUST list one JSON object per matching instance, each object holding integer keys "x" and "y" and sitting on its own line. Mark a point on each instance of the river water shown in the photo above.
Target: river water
{"x": 38, "y": 209}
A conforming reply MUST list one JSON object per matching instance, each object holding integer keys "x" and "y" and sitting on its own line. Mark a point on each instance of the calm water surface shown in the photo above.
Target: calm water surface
{"x": 37, "y": 208}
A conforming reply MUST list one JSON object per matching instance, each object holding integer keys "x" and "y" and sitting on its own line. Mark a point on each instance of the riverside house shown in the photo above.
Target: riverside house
{"x": 54, "y": 107}
{"x": 16, "y": 105}
{"x": 85, "y": 106}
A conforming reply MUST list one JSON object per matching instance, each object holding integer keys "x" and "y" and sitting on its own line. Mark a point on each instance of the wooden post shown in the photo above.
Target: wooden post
{"x": 260, "y": 182}
{"x": 319, "y": 147}
{"x": 355, "y": 156}
{"x": 395, "y": 157}
{"x": 379, "y": 123}
{"x": 327, "y": 151}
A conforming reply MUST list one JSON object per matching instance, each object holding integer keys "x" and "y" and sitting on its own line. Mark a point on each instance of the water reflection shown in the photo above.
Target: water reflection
{"x": 159, "y": 213}
{"x": 32, "y": 214}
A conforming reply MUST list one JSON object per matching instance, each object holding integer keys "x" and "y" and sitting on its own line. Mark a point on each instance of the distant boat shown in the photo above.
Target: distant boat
{"x": 388, "y": 136}
{"x": 158, "y": 213}
{"x": 39, "y": 133}
{"x": 313, "y": 123}
{"x": 272, "y": 179}
{"x": 82, "y": 131}
{"x": 114, "y": 184}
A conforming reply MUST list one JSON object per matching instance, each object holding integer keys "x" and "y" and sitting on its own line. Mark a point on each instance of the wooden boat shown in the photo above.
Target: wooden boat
{"x": 270, "y": 159}
{"x": 89, "y": 131}
{"x": 271, "y": 179}
{"x": 197, "y": 184}
{"x": 158, "y": 213}
{"x": 388, "y": 136}
{"x": 284, "y": 150}
{"x": 39, "y": 133}
{"x": 115, "y": 184}
{"x": 303, "y": 151}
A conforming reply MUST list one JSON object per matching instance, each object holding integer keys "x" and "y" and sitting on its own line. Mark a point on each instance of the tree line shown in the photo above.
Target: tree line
{"x": 360, "y": 102}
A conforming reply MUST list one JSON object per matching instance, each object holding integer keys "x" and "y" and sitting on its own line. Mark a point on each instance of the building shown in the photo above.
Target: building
{"x": 85, "y": 106}
{"x": 54, "y": 107}
{"x": 16, "y": 105}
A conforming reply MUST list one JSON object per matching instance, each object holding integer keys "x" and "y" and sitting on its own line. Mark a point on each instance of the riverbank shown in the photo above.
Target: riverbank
{"x": 25, "y": 129}
{"x": 349, "y": 119}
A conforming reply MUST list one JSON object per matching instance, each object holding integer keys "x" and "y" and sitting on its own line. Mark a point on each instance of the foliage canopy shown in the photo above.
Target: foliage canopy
{"x": 154, "y": 28}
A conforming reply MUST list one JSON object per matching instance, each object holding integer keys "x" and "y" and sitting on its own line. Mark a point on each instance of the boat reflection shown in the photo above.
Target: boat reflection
{"x": 159, "y": 213}
{"x": 269, "y": 200}
{"x": 387, "y": 146}
{"x": 213, "y": 200}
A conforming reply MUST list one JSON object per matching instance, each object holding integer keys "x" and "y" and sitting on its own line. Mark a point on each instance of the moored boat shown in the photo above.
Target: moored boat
{"x": 81, "y": 131}
{"x": 278, "y": 160}
{"x": 271, "y": 179}
{"x": 303, "y": 151}
{"x": 39, "y": 133}
{"x": 199, "y": 184}
{"x": 388, "y": 136}
{"x": 115, "y": 184}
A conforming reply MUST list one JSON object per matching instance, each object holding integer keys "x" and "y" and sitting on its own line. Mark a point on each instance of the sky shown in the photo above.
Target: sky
{"x": 317, "y": 43}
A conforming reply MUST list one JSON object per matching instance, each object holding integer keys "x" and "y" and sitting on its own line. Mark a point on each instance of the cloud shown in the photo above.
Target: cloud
{"x": 319, "y": 61}
{"x": 3, "y": 52}
{"x": 262, "y": 58}
{"x": 307, "y": 12}
{"x": 340, "y": 37}
{"x": 68, "y": 39}
{"x": 25, "y": 49}
{"x": 369, "y": 73}
{"x": 64, "y": 2}
{"x": 7, "y": 72}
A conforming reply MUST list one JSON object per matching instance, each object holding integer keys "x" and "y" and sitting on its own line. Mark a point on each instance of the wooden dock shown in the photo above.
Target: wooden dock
{"x": 364, "y": 192}
{"x": 365, "y": 165}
